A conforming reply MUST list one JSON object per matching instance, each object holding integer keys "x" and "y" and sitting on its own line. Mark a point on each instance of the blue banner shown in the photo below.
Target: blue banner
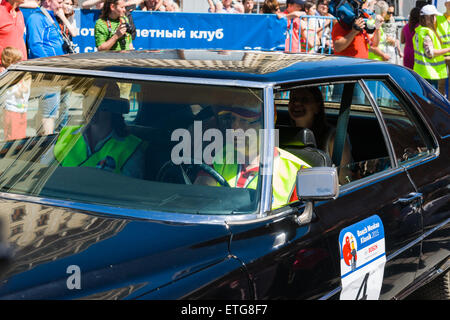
{"x": 173, "y": 30}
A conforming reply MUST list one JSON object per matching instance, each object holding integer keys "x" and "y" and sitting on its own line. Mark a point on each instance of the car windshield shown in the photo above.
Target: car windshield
{"x": 157, "y": 146}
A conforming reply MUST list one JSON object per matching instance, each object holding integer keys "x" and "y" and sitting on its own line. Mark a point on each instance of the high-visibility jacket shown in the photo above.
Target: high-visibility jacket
{"x": 381, "y": 46}
{"x": 71, "y": 150}
{"x": 443, "y": 31}
{"x": 285, "y": 167}
{"x": 432, "y": 69}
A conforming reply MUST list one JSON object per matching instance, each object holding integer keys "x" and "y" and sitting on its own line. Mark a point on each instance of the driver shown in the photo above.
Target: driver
{"x": 245, "y": 174}
{"x": 103, "y": 142}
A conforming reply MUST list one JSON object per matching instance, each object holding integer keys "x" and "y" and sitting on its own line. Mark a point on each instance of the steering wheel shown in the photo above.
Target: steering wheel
{"x": 187, "y": 169}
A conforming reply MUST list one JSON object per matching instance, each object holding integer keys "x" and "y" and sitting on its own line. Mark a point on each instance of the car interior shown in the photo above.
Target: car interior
{"x": 157, "y": 110}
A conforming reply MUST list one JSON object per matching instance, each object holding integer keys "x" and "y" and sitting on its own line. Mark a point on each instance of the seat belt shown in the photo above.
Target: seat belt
{"x": 342, "y": 123}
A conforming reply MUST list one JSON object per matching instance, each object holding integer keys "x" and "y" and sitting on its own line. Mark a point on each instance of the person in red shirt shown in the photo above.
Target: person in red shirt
{"x": 349, "y": 41}
{"x": 12, "y": 26}
{"x": 294, "y": 10}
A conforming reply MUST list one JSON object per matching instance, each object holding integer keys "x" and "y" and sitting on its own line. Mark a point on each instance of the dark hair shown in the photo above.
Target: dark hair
{"x": 320, "y": 125}
{"x": 414, "y": 17}
{"x": 308, "y": 5}
{"x": 106, "y": 10}
{"x": 270, "y": 6}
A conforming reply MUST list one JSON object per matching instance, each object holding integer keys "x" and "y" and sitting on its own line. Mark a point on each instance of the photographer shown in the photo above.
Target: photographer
{"x": 353, "y": 40}
{"x": 113, "y": 30}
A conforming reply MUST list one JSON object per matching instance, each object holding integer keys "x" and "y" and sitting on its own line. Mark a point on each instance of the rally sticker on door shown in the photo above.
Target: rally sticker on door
{"x": 363, "y": 257}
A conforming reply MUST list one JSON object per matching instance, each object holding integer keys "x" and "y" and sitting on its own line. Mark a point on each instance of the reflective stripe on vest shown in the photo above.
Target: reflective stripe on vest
{"x": 434, "y": 68}
{"x": 285, "y": 165}
{"x": 71, "y": 150}
{"x": 443, "y": 31}
{"x": 381, "y": 46}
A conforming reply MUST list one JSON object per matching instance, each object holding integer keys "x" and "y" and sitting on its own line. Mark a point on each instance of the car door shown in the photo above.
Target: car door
{"x": 426, "y": 160}
{"x": 287, "y": 260}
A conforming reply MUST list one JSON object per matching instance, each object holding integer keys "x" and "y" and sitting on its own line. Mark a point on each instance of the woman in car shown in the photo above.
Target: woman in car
{"x": 307, "y": 110}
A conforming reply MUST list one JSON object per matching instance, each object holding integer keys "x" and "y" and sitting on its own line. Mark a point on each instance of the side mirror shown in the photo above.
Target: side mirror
{"x": 318, "y": 183}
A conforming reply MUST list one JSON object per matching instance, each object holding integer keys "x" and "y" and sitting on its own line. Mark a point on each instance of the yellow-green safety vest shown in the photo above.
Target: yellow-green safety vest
{"x": 285, "y": 167}
{"x": 432, "y": 69}
{"x": 443, "y": 31}
{"x": 381, "y": 46}
{"x": 71, "y": 150}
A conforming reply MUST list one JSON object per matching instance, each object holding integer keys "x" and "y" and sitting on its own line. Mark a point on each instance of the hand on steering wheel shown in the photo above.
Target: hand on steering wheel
{"x": 185, "y": 169}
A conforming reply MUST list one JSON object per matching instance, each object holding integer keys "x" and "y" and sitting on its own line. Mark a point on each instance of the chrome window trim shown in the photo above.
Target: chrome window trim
{"x": 267, "y": 153}
{"x": 379, "y": 115}
{"x": 127, "y": 213}
{"x": 143, "y": 77}
{"x": 417, "y": 110}
{"x": 346, "y": 78}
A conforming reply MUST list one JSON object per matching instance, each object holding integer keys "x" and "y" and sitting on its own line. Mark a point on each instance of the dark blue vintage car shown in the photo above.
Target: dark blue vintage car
{"x": 114, "y": 181}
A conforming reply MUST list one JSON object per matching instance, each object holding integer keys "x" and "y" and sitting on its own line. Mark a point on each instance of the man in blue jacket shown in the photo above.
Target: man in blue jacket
{"x": 43, "y": 36}
{"x": 44, "y": 39}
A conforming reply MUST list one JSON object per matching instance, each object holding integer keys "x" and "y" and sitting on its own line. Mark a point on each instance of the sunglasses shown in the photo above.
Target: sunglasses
{"x": 390, "y": 12}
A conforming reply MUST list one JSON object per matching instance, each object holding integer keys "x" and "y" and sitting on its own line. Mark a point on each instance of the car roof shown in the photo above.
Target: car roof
{"x": 257, "y": 66}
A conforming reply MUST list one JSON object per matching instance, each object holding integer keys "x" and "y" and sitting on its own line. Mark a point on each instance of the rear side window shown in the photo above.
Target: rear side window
{"x": 409, "y": 137}
{"x": 317, "y": 107}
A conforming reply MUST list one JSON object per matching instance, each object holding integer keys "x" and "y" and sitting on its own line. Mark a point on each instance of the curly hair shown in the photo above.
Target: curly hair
{"x": 10, "y": 55}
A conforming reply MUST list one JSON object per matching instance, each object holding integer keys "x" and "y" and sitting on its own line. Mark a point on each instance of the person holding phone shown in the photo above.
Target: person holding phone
{"x": 112, "y": 30}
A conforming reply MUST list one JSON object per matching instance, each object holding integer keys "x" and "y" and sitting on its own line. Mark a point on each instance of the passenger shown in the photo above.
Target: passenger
{"x": 245, "y": 174}
{"x": 307, "y": 110}
{"x": 103, "y": 142}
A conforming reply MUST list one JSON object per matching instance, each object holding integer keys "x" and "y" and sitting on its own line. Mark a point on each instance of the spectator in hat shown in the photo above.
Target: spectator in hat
{"x": 429, "y": 60}
{"x": 443, "y": 31}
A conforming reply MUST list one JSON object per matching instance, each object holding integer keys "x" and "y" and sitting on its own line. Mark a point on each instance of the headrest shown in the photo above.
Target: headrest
{"x": 116, "y": 105}
{"x": 306, "y": 136}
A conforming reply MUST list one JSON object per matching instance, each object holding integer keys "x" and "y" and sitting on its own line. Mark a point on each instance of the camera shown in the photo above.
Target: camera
{"x": 347, "y": 11}
{"x": 130, "y": 29}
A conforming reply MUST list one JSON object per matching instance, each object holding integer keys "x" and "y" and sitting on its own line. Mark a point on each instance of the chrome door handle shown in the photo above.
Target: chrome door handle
{"x": 413, "y": 196}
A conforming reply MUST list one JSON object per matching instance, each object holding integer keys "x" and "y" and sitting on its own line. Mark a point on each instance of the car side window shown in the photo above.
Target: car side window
{"x": 364, "y": 152}
{"x": 408, "y": 138}
{"x": 363, "y": 149}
